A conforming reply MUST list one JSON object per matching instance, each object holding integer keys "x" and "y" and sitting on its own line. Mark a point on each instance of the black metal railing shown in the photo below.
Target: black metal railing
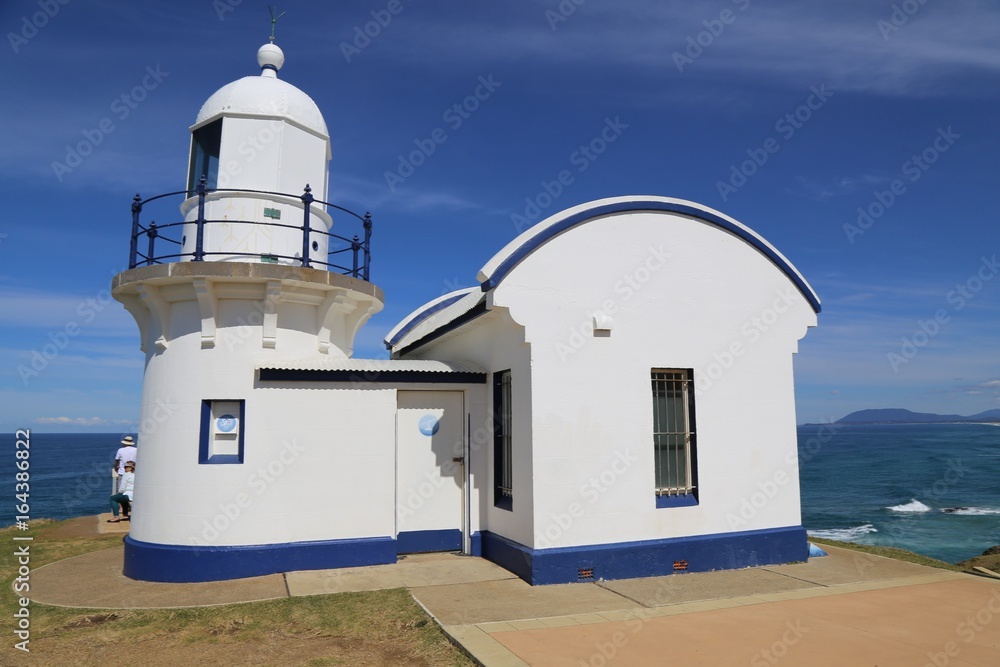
{"x": 355, "y": 250}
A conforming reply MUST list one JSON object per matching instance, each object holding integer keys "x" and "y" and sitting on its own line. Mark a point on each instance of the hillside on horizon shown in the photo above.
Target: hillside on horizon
{"x": 903, "y": 416}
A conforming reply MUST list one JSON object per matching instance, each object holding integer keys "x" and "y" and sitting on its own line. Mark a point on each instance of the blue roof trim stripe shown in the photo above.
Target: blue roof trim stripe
{"x": 544, "y": 235}
{"x": 423, "y": 315}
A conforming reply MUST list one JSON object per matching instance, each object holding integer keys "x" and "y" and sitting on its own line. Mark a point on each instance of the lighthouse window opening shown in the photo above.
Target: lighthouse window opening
{"x": 503, "y": 455}
{"x": 222, "y": 433}
{"x": 205, "y": 144}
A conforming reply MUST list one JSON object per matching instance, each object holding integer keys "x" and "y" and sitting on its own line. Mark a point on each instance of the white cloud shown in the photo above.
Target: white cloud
{"x": 82, "y": 421}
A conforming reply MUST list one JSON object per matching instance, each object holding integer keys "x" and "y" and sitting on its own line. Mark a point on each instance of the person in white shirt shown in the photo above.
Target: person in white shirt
{"x": 124, "y": 495}
{"x": 127, "y": 452}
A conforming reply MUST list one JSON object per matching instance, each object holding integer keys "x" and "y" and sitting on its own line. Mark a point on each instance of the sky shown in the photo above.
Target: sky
{"x": 859, "y": 138}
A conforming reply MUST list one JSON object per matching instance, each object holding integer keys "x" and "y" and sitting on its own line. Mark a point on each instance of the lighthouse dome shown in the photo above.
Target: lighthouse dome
{"x": 265, "y": 96}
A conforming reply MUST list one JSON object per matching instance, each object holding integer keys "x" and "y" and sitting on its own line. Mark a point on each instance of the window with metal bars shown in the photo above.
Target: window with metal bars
{"x": 503, "y": 496}
{"x": 674, "y": 435}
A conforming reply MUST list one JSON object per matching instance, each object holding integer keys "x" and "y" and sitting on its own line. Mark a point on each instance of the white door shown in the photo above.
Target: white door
{"x": 430, "y": 470}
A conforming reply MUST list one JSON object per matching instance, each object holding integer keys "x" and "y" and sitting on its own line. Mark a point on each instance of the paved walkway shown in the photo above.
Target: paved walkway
{"x": 844, "y": 609}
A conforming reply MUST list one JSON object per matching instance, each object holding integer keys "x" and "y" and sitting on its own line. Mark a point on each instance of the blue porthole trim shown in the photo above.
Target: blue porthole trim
{"x": 689, "y": 500}
{"x": 180, "y": 563}
{"x": 204, "y": 444}
{"x": 649, "y": 558}
{"x": 556, "y": 228}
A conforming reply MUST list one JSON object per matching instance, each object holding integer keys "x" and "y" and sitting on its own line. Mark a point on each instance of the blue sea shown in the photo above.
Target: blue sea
{"x": 70, "y": 474}
{"x": 886, "y": 485}
{"x": 929, "y": 488}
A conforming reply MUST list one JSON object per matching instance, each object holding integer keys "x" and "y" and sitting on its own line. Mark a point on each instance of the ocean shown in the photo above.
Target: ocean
{"x": 929, "y": 488}
{"x": 886, "y": 485}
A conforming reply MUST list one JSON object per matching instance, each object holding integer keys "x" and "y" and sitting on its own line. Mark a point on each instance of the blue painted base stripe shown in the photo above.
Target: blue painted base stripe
{"x": 476, "y": 544}
{"x": 179, "y": 563}
{"x": 626, "y": 560}
{"x": 424, "y": 541}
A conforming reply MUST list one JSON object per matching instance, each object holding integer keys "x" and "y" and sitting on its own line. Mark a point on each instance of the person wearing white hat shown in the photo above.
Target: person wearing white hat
{"x": 125, "y": 453}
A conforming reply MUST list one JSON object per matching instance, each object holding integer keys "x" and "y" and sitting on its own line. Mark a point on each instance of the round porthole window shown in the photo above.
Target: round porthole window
{"x": 184, "y": 240}
{"x": 428, "y": 425}
{"x": 315, "y": 245}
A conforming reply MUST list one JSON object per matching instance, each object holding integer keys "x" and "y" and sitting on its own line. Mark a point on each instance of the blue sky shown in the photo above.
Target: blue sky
{"x": 886, "y": 107}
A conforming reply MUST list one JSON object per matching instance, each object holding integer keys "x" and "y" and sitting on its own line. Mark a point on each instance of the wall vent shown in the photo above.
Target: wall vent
{"x": 585, "y": 573}
{"x": 680, "y": 565}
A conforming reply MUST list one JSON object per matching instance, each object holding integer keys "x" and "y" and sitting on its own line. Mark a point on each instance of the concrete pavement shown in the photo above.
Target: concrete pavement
{"x": 844, "y": 609}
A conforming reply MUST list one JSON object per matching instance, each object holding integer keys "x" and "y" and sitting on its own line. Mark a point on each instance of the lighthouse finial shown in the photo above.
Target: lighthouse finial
{"x": 274, "y": 19}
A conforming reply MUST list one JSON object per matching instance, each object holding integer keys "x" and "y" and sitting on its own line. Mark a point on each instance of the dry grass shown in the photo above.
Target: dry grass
{"x": 373, "y": 628}
{"x": 890, "y": 552}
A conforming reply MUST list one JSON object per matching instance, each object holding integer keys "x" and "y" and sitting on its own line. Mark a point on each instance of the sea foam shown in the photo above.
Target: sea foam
{"x": 913, "y": 506}
{"x": 844, "y": 534}
{"x": 972, "y": 511}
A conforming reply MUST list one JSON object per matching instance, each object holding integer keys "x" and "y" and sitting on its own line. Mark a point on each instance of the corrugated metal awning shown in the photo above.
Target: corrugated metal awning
{"x": 371, "y": 371}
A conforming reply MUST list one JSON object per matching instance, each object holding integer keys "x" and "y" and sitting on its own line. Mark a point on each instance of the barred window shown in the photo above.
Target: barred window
{"x": 503, "y": 496}
{"x": 674, "y": 432}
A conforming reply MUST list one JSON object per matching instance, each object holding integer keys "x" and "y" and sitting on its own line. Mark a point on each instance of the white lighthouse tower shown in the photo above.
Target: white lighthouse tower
{"x": 258, "y": 269}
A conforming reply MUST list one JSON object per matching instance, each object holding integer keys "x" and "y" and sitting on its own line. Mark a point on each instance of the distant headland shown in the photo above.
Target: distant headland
{"x": 902, "y": 416}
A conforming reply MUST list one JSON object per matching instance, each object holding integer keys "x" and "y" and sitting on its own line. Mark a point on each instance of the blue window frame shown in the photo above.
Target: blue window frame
{"x": 503, "y": 455}
{"x": 674, "y": 437}
{"x": 222, "y": 431}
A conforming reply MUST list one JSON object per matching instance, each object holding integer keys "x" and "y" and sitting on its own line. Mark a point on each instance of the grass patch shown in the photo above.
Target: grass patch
{"x": 890, "y": 552}
{"x": 375, "y": 628}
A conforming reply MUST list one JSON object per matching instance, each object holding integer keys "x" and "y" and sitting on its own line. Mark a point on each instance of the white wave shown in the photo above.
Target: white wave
{"x": 913, "y": 506}
{"x": 844, "y": 534}
{"x": 972, "y": 511}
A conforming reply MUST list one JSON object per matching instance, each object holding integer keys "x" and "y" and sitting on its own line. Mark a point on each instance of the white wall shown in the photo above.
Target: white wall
{"x": 695, "y": 291}
{"x": 319, "y": 460}
{"x": 496, "y": 343}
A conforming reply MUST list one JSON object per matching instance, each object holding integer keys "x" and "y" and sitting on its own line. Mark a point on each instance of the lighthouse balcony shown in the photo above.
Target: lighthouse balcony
{"x": 253, "y": 226}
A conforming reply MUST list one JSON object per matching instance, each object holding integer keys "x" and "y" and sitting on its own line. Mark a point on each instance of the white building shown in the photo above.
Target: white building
{"x": 615, "y": 399}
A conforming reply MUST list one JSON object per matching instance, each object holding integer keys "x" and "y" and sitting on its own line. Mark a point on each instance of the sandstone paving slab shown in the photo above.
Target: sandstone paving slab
{"x": 418, "y": 570}
{"x": 844, "y": 566}
{"x": 697, "y": 586}
{"x": 95, "y": 581}
{"x": 887, "y": 627}
{"x": 512, "y": 599}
